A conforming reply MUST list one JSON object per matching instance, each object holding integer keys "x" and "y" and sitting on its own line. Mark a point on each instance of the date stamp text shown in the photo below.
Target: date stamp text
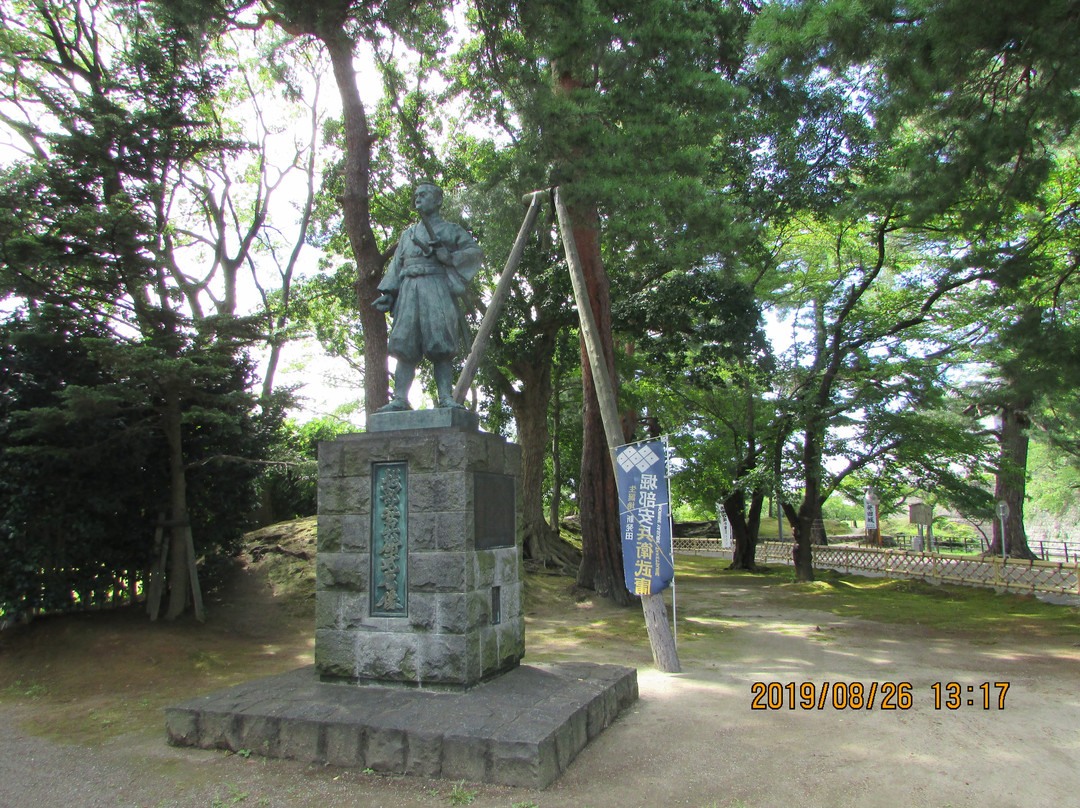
{"x": 874, "y": 695}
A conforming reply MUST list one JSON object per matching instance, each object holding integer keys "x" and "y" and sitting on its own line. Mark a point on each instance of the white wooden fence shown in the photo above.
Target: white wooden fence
{"x": 1012, "y": 575}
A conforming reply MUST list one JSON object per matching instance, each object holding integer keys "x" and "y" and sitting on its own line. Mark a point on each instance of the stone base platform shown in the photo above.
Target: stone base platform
{"x": 520, "y": 729}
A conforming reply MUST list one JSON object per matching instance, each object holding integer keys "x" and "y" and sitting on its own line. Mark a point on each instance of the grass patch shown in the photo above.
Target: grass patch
{"x": 944, "y": 607}
{"x": 977, "y": 611}
{"x": 460, "y": 795}
{"x": 285, "y": 554}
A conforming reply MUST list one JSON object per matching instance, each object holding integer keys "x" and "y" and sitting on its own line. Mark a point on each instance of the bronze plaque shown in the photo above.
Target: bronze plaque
{"x": 494, "y": 510}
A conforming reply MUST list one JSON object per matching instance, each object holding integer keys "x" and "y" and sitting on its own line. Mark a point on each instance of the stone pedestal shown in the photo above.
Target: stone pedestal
{"x": 419, "y": 574}
{"x": 522, "y": 729}
{"x": 419, "y": 586}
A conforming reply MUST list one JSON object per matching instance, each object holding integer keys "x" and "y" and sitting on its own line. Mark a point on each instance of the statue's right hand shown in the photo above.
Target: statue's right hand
{"x": 384, "y": 302}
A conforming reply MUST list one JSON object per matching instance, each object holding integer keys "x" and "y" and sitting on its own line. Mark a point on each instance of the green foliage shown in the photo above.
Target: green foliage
{"x": 896, "y": 181}
{"x": 84, "y": 483}
{"x": 624, "y": 106}
{"x": 460, "y": 795}
{"x": 324, "y": 306}
{"x": 71, "y": 494}
{"x": 116, "y": 111}
{"x": 985, "y": 87}
{"x": 233, "y": 796}
{"x": 842, "y": 510}
{"x": 695, "y": 325}
{"x": 1054, "y": 487}
{"x": 939, "y": 128}
{"x": 290, "y": 487}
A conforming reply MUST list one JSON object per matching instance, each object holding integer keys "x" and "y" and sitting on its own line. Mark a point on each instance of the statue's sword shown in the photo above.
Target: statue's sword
{"x": 434, "y": 242}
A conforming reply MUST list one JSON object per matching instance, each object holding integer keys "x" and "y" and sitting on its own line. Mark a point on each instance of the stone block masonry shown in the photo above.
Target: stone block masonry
{"x": 420, "y": 625}
{"x": 418, "y": 573}
{"x": 520, "y": 729}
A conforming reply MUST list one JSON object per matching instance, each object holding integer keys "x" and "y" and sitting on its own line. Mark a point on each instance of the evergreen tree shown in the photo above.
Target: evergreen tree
{"x": 85, "y": 483}
{"x": 621, "y": 105}
{"x": 76, "y": 500}
{"x": 114, "y": 110}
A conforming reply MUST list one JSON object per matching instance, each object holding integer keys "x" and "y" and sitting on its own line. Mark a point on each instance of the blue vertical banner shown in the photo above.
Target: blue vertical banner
{"x": 645, "y": 517}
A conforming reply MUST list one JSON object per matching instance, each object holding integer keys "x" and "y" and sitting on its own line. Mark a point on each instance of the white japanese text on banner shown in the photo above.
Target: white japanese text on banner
{"x": 645, "y": 517}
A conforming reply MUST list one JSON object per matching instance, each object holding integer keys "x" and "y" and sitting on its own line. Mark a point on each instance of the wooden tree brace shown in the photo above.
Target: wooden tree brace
{"x": 498, "y": 299}
{"x": 665, "y": 654}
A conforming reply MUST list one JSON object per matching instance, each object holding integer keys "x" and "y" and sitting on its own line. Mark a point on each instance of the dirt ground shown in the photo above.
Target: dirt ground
{"x": 81, "y": 701}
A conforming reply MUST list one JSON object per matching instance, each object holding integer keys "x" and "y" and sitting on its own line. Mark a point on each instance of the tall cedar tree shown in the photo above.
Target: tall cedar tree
{"x": 621, "y": 103}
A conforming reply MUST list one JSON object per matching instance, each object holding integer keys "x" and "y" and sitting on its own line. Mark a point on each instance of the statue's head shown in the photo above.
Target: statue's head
{"x": 428, "y": 197}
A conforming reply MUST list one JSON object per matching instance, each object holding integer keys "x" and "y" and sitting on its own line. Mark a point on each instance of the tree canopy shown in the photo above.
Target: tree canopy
{"x": 830, "y": 244}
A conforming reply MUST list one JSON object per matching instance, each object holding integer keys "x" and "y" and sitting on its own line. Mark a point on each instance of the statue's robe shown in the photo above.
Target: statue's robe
{"x": 426, "y": 314}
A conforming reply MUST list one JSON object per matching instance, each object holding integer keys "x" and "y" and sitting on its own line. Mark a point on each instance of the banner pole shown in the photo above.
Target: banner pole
{"x": 671, "y": 533}
{"x": 655, "y": 612}
{"x": 674, "y": 617}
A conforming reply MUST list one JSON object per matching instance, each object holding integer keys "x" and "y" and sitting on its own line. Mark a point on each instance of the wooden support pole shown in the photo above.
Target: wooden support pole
{"x": 193, "y": 573}
{"x": 665, "y": 654}
{"x": 498, "y": 299}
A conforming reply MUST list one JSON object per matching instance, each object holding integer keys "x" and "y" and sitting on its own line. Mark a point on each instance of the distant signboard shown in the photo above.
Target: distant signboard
{"x": 871, "y": 514}
{"x": 645, "y": 517}
{"x": 725, "y": 528}
{"x": 920, "y": 513}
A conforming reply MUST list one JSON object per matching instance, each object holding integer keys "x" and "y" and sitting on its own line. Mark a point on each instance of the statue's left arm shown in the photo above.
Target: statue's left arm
{"x": 466, "y": 255}
{"x": 463, "y": 258}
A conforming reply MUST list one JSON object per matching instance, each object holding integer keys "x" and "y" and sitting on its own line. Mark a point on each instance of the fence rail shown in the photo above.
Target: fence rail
{"x": 1012, "y": 575}
{"x": 70, "y": 591}
{"x": 1067, "y": 550}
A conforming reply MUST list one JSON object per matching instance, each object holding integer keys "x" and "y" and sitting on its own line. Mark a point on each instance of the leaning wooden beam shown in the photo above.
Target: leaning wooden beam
{"x": 498, "y": 299}
{"x": 665, "y": 654}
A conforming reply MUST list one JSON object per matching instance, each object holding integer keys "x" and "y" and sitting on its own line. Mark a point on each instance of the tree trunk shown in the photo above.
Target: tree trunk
{"x": 753, "y": 516}
{"x": 744, "y": 535}
{"x": 1011, "y": 481}
{"x": 598, "y": 498}
{"x": 271, "y": 369}
{"x": 807, "y": 523}
{"x": 177, "y": 579}
{"x": 542, "y": 544}
{"x": 801, "y": 554}
{"x": 356, "y": 210}
{"x": 555, "y": 505}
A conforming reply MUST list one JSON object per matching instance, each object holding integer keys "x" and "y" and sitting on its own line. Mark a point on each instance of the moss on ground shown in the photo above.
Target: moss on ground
{"x": 962, "y": 609}
{"x": 285, "y": 554}
{"x": 966, "y": 609}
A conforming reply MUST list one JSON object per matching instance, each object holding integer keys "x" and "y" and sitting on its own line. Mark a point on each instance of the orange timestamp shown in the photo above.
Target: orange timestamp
{"x": 953, "y": 695}
{"x": 873, "y": 695}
